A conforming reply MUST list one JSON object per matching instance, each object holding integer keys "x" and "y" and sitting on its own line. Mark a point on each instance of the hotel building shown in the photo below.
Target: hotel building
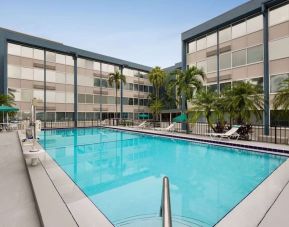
{"x": 71, "y": 83}
{"x": 247, "y": 43}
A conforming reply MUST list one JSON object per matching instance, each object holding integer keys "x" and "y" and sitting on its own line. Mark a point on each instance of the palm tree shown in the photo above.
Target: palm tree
{"x": 186, "y": 83}
{"x": 205, "y": 103}
{"x": 7, "y": 100}
{"x": 242, "y": 100}
{"x": 156, "y": 107}
{"x": 156, "y": 77}
{"x": 116, "y": 79}
{"x": 281, "y": 99}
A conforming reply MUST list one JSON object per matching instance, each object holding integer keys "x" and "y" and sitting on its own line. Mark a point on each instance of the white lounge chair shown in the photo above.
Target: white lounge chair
{"x": 141, "y": 125}
{"x": 232, "y": 133}
{"x": 167, "y": 129}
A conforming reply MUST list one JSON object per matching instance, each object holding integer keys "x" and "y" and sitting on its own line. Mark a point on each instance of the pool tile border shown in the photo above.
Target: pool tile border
{"x": 267, "y": 147}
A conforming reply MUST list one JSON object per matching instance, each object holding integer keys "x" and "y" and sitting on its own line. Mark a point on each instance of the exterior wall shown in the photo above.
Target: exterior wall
{"x": 241, "y": 47}
{"x": 49, "y": 77}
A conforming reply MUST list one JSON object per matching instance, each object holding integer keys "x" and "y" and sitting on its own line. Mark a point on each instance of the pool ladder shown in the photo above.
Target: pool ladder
{"x": 165, "y": 210}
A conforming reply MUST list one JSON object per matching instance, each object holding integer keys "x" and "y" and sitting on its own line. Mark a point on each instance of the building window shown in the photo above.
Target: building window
{"x": 14, "y": 71}
{"x": 81, "y": 62}
{"x": 27, "y": 73}
{"x": 279, "y": 48}
{"x": 96, "y": 66}
{"x": 225, "y": 61}
{"x": 50, "y": 96}
{"x": 89, "y": 98}
{"x": 212, "y": 64}
{"x": 96, "y": 82}
{"x": 107, "y": 68}
{"x": 279, "y": 15}
{"x": 201, "y": 44}
{"x": 276, "y": 81}
{"x": 60, "y": 59}
{"x": 69, "y": 60}
{"x": 239, "y": 58}
{"x": 254, "y": 24}
{"x": 135, "y": 87}
{"x": 225, "y": 35}
{"x": 27, "y": 52}
{"x": 96, "y": 99}
{"x": 81, "y": 98}
{"x": 38, "y": 74}
{"x": 192, "y": 47}
{"x": 38, "y": 54}
{"x": 130, "y": 101}
{"x": 258, "y": 82}
{"x": 212, "y": 39}
{"x": 212, "y": 88}
{"x": 104, "y": 83}
{"x": 50, "y": 76}
{"x": 26, "y": 95}
{"x": 202, "y": 65}
{"x": 135, "y": 101}
{"x": 60, "y": 97}
{"x": 238, "y": 30}
{"x": 141, "y": 88}
{"x": 50, "y": 56}
{"x": 88, "y": 64}
{"x": 60, "y": 77}
{"x": 225, "y": 86}
{"x": 14, "y": 49}
{"x": 255, "y": 54}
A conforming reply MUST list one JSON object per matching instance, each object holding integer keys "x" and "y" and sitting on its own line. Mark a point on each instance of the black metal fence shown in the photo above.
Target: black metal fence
{"x": 278, "y": 133}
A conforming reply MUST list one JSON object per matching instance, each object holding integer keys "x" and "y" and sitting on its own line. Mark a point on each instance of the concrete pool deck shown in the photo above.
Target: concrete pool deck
{"x": 17, "y": 205}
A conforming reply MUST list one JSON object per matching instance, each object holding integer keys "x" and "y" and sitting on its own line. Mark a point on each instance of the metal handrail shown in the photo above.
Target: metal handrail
{"x": 165, "y": 210}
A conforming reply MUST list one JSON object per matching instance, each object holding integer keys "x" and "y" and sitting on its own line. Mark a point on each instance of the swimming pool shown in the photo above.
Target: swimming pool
{"x": 121, "y": 173}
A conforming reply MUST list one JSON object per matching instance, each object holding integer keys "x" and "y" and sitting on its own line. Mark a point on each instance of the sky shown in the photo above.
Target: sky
{"x": 147, "y": 32}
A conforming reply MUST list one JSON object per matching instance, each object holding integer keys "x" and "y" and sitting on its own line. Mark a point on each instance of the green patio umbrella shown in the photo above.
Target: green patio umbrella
{"x": 7, "y": 109}
{"x": 181, "y": 118}
{"x": 144, "y": 116}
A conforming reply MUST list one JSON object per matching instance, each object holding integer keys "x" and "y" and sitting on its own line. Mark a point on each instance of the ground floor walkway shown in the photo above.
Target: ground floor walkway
{"x": 17, "y": 205}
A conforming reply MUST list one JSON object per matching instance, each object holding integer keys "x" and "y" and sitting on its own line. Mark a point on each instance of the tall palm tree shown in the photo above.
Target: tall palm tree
{"x": 156, "y": 107}
{"x": 186, "y": 83}
{"x": 243, "y": 100}
{"x": 157, "y": 77}
{"x": 281, "y": 99}
{"x": 205, "y": 103}
{"x": 116, "y": 79}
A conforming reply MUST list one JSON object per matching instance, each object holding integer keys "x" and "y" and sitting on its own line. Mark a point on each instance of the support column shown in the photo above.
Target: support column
{"x": 75, "y": 114}
{"x": 170, "y": 117}
{"x": 45, "y": 99}
{"x": 266, "y": 116}
{"x": 100, "y": 100}
{"x": 121, "y": 93}
{"x": 184, "y": 67}
{"x": 218, "y": 63}
{"x": 3, "y": 66}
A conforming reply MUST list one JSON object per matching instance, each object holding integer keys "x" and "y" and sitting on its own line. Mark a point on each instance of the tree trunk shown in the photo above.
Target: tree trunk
{"x": 115, "y": 101}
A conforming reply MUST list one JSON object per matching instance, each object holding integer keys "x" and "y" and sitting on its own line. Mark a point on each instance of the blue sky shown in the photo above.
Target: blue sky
{"x": 143, "y": 31}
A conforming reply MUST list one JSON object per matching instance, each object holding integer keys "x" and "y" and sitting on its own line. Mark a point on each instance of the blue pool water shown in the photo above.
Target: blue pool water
{"x": 122, "y": 172}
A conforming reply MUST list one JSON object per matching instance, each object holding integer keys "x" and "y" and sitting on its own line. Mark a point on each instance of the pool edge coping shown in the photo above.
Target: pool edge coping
{"x": 77, "y": 215}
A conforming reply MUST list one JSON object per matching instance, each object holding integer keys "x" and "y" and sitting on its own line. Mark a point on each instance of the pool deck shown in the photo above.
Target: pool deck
{"x": 17, "y": 205}
{"x": 45, "y": 196}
